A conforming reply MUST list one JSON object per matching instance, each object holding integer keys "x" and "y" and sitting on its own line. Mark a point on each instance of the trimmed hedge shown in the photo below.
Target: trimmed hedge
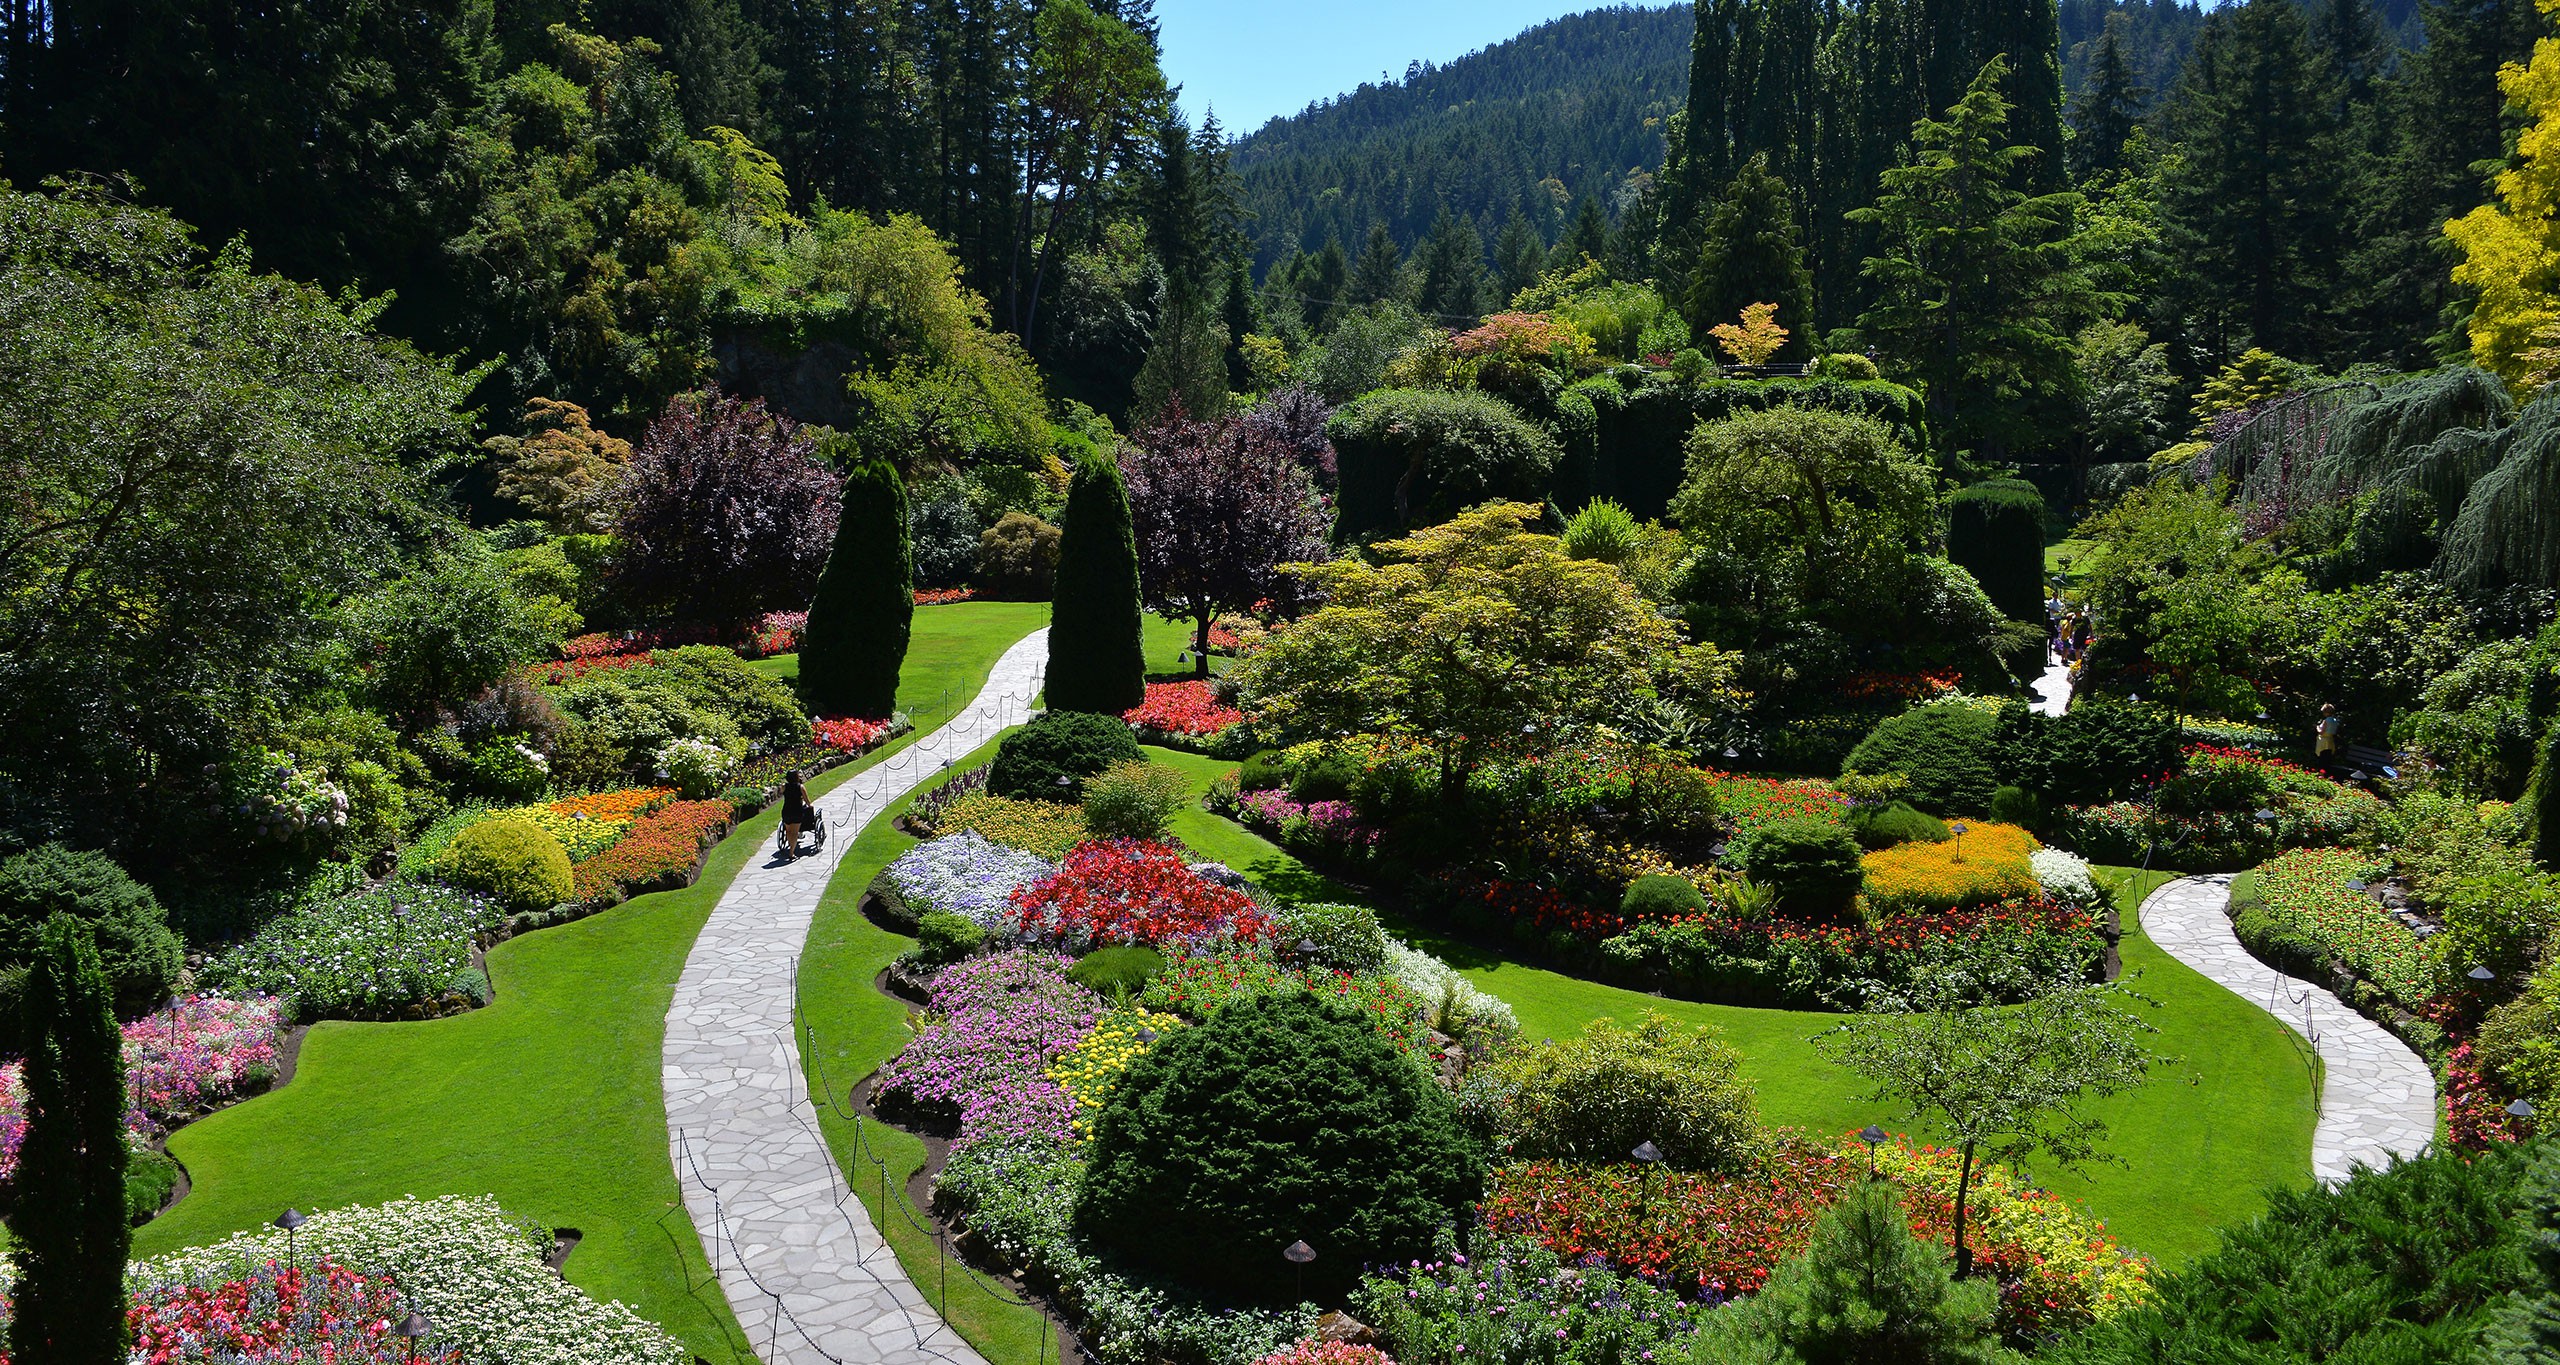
{"x": 2098, "y": 751}
{"x": 1995, "y": 529}
{"x": 1810, "y": 863}
{"x": 1416, "y": 457}
{"x": 1944, "y": 748}
{"x": 1074, "y": 745}
{"x": 1097, "y": 658}
{"x": 1660, "y": 895}
{"x": 865, "y": 606}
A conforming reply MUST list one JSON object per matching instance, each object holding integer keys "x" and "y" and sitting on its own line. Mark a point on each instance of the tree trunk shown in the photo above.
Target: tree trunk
{"x": 1964, "y": 1186}
{"x": 1200, "y": 648}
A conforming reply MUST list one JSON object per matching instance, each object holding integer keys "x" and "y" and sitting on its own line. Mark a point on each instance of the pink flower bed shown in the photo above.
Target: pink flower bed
{"x": 999, "y": 1022}
{"x": 1333, "y": 822}
{"x": 1189, "y": 709}
{"x": 847, "y": 733}
{"x": 200, "y": 1054}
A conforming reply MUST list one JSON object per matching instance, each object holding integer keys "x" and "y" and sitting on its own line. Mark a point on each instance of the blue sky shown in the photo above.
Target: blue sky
{"x": 1253, "y": 60}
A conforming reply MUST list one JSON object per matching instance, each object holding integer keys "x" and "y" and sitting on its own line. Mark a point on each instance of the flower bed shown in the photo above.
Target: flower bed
{"x": 1517, "y": 1303}
{"x": 399, "y": 951}
{"x": 1330, "y": 826}
{"x": 1117, "y": 891}
{"x": 846, "y": 734}
{"x": 477, "y": 1274}
{"x": 1090, "y": 1069}
{"x": 588, "y": 825}
{"x": 779, "y": 633}
{"x": 999, "y": 1023}
{"x": 663, "y": 850}
{"x": 1752, "y": 803}
{"x": 1983, "y": 864}
{"x": 1043, "y": 828}
{"x": 187, "y": 1060}
{"x": 1777, "y": 961}
{"x": 940, "y": 597}
{"x": 962, "y": 874}
{"x": 1194, "y": 988}
{"x": 1181, "y": 711}
{"x": 2057, "y": 1270}
{"x": 318, "y": 1310}
{"x": 2306, "y": 897}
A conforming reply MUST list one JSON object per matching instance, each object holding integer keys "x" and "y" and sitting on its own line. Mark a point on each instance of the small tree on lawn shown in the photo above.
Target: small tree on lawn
{"x": 725, "y": 513}
{"x": 1219, "y": 506}
{"x": 70, "y": 1216}
{"x": 1097, "y": 658}
{"x": 865, "y": 606}
{"x": 2001, "y": 1081}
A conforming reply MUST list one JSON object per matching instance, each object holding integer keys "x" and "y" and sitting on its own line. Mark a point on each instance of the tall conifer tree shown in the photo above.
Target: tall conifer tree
{"x": 1097, "y": 658}
{"x": 1378, "y": 276}
{"x": 1753, "y": 255}
{"x": 864, "y": 609}
{"x": 69, "y": 1218}
{"x": 2108, "y": 107}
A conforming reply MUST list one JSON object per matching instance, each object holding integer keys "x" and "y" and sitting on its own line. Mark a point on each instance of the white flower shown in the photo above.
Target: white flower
{"x": 2064, "y": 877}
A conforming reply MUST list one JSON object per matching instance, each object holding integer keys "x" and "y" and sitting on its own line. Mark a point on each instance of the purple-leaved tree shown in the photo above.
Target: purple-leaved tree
{"x": 726, "y": 514}
{"x": 1218, "y": 505}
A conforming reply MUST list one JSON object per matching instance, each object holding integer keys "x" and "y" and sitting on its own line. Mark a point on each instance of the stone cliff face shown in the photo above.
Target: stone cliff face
{"x": 805, "y": 385}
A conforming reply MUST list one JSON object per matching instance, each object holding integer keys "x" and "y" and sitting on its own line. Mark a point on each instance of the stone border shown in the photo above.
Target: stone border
{"x": 812, "y": 1281}
{"x": 2377, "y": 1098}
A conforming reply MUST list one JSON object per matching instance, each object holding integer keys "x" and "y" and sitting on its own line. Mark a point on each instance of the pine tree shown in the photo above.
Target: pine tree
{"x": 1325, "y": 287}
{"x": 1451, "y": 270}
{"x": 70, "y": 1217}
{"x": 2109, "y": 106}
{"x": 1241, "y": 314}
{"x": 1379, "y": 275}
{"x": 1097, "y": 659}
{"x": 1978, "y": 289}
{"x": 864, "y": 609}
{"x": 1519, "y": 253}
{"x": 1587, "y": 239}
{"x": 2526, "y": 1330}
{"x": 1753, "y": 255}
{"x": 1186, "y": 365}
{"x": 1866, "y": 1289}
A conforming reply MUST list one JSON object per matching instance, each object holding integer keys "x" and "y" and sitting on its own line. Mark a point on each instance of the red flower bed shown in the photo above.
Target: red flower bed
{"x": 1113, "y": 891}
{"x": 1899, "y": 686}
{"x": 779, "y": 632}
{"x": 662, "y": 849}
{"x": 1710, "y": 1234}
{"x": 568, "y": 670}
{"x": 1543, "y": 907}
{"x": 2475, "y": 1114}
{"x": 319, "y": 1312}
{"x": 936, "y": 597}
{"x": 847, "y": 733}
{"x": 1183, "y": 708}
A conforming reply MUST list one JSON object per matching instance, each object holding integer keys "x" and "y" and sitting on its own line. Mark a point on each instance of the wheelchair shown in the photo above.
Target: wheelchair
{"x": 813, "y": 837}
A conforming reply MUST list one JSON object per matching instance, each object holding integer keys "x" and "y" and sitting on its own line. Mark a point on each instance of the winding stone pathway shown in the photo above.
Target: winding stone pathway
{"x": 810, "y": 1278}
{"x": 2053, "y": 690}
{"x": 2378, "y": 1099}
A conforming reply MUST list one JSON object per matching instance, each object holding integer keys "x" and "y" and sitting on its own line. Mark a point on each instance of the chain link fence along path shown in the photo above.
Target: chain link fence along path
{"x": 813, "y": 1282}
{"x": 2377, "y": 1099}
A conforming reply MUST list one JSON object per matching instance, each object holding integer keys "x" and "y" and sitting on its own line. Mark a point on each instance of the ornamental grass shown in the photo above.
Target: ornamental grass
{"x": 1983, "y": 864}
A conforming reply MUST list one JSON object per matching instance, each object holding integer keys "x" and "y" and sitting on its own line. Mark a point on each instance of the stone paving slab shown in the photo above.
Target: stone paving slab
{"x": 812, "y": 1281}
{"x": 2378, "y": 1099}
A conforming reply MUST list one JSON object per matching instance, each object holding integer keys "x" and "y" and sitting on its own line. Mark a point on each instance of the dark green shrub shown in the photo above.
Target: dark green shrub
{"x": 69, "y": 1215}
{"x": 1809, "y": 863}
{"x": 503, "y": 769}
{"x": 513, "y": 862}
{"x": 1327, "y": 778}
{"x": 1133, "y": 800}
{"x": 1866, "y": 1289}
{"x": 149, "y": 1180}
{"x": 1944, "y": 748}
{"x": 2098, "y": 751}
{"x": 2542, "y": 803}
{"x": 1097, "y": 660}
{"x": 1117, "y": 973}
{"x": 1895, "y": 823}
{"x": 944, "y": 938}
{"x": 2018, "y": 806}
{"x": 1415, "y": 457}
{"x": 720, "y": 681}
{"x": 1070, "y": 744}
{"x": 139, "y": 954}
{"x": 1659, "y": 895}
{"x": 1018, "y": 559}
{"x": 1597, "y": 1096}
{"x": 865, "y": 605}
{"x": 1280, "y": 1118}
{"x": 1347, "y": 937}
{"x": 2280, "y": 941}
{"x": 1995, "y": 529}
{"x": 1262, "y": 772}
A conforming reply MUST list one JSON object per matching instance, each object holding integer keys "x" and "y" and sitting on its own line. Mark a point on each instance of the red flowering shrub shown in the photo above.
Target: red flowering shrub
{"x": 1182, "y": 708}
{"x": 778, "y": 633}
{"x": 2475, "y": 1114}
{"x": 1116, "y": 891}
{"x": 1711, "y": 1234}
{"x": 848, "y": 733}
{"x": 662, "y": 850}
{"x": 935, "y": 597}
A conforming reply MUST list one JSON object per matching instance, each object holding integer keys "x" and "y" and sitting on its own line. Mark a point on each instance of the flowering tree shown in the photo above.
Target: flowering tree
{"x": 726, "y": 512}
{"x": 1219, "y": 506}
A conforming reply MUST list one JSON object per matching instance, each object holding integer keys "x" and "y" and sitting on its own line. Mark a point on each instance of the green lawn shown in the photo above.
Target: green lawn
{"x": 549, "y": 1098}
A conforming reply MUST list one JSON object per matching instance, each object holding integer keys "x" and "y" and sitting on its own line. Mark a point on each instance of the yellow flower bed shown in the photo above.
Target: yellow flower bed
{"x": 1042, "y": 827}
{"x": 1986, "y": 863}
{"x": 1092, "y": 1067}
{"x": 2075, "y": 1271}
{"x": 582, "y": 834}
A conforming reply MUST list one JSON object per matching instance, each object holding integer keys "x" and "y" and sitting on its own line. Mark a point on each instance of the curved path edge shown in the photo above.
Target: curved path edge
{"x": 2377, "y": 1098}
{"x": 812, "y": 1281}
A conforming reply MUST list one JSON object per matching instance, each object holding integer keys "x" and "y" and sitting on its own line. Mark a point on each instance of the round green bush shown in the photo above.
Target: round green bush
{"x": 1944, "y": 748}
{"x": 141, "y": 957}
{"x": 149, "y": 1179}
{"x": 513, "y": 862}
{"x": 1896, "y": 823}
{"x": 1262, "y": 772}
{"x": 1347, "y": 937}
{"x": 1659, "y": 895}
{"x": 1281, "y": 1118}
{"x": 1809, "y": 863}
{"x": 1133, "y": 800}
{"x": 1597, "y": 1097}
{"x": 1070, "y": 744}
{"x": 942, "y": 937}
{"x": 1117, "y": 973}
{"x": 1328, "y": 778}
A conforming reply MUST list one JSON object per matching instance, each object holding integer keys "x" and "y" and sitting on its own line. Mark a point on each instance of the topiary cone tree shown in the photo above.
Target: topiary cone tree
{"x": 70, "y": 1215}
{"x": 1995, "y": 529}
{"x": 865, "y": 606}
{"x": 2542, "y": 802}
{"x": 1097, "y": 661}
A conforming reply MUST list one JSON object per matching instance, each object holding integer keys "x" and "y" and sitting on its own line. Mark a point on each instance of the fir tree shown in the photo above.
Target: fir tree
{"x": 1186, "y": 366}
{"x": 1241, "y": 315}
{"x": 1753, "y": 255}
{"x": 1097, "y": 659}
{"x": 1978, "y": 288}
{"x": 1451, "y": 270}
{"x": 1866, "y": 1289}
{"x": 1324, "y": 288}
{"x": 1379, "y": 275}
{"x": 1520, "y": 254}
{"x": 69, "y": 1219}
{"x": 1586, "y": 239}
{"x": 865, "y": 606}
{"x": 2108, "y": 108}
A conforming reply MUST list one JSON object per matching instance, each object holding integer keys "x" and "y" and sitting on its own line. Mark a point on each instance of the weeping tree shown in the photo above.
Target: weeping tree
{"x": 70, "y": 1216}
{"x": 2508, "y": 531}
{"x": 865, "y": 605}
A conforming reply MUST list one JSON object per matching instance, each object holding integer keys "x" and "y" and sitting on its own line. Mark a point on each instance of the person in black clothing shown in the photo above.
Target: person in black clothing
{"x": 796, "y": 814}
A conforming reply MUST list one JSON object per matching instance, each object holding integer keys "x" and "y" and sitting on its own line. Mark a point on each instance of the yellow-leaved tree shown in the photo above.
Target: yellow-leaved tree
{"x": 1757, "y": 338}
{"x": 2511, "y": 246}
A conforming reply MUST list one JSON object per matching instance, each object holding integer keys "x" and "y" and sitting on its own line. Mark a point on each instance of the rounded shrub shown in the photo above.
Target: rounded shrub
{"x": 1598, "y": 1097}
{"x": 1118, "y": 972}
{"x": 1660, "y": 895}
{"x": 1808, "y": 863}
{"x": 1346, "y": 937}
{"x": 139, "y": 954}
{"x": 2520, "y": 1041}
{"x": 1133, "y": 800}
{"x": 1070, "y": 744}
{"x": 1018, "y": 559}
{"x": 1944, "y": 749}
{"x": 942, "y": 937}
{"x": 1995, "y": 529}
{"x": 1894, "y": 823}
{"x": 1263, "y": 771}
{"x": 1281, "y": 1118}
{"x": 513, "y": 862}
{"x": 1329, "y": 777}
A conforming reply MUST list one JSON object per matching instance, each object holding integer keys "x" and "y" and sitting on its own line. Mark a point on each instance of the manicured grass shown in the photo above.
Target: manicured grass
{"x": 1165, "y": 642}
{"x": 549, "y": 1098}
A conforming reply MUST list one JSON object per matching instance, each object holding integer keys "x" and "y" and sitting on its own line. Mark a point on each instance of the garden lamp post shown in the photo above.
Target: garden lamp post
{"x": 412, "y": 1328}
{"x": 291, "y": 1220}
{"x": 1647, "y": 1157}
{"x": 2266, "y": 817}
{"x": 2521, "y": 1109}
{"x": 1874, "y": 1138}
{"x": 1307, "y": 949}
{"x": 2482, "y": 975}
{"x": 1298, "y": 1253}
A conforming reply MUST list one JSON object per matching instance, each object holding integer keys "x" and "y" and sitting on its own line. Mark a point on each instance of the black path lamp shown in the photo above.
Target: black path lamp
{"x": 1298, "y": 1253}
{"x": 412, "y": 1328}
{"x": 1307, "y": 949}
{"x": 1874, "y": 1138}
{"x": 1647, "y": 1157}
{"x": 291, "y": 1220}
{"x": 2482, "y": 975}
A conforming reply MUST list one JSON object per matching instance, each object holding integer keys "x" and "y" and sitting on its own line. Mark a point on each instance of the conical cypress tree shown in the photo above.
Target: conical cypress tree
{"x": 865, "y": 606}
{"x": 70, "y": 1217}
{"x": 1096, "y": 659}
{"x": 1996, "y": 529}
{"x": 2542, "y": 802}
